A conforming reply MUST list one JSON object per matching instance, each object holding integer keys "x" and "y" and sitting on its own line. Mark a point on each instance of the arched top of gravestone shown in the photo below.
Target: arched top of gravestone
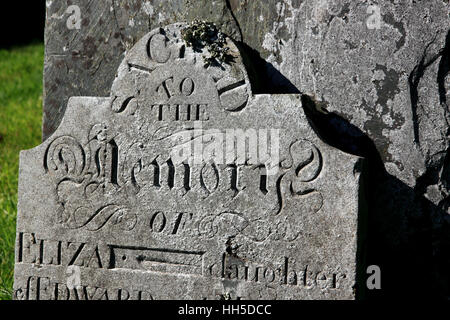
{"x": 169, "y": 63}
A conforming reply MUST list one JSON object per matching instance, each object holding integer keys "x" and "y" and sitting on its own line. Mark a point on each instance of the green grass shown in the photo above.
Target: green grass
{"x": 20, "y": 128}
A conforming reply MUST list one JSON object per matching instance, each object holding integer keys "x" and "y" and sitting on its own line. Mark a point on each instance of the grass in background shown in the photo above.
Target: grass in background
{"x": 20, "y": 128}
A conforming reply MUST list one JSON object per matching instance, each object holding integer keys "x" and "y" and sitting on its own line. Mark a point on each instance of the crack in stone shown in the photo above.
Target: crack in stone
{"x": 414, "y": 79}
{"x": 113, "y": 5}
{"x": 228, "y": 5}
{"x": 435, "y": 172}
{"x": 444, "y": 68}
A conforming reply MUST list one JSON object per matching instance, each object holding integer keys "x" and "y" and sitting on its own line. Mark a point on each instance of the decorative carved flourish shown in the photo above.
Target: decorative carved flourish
{"x": 307, "y": 159}
{"x": 92, "y": 215}
{"x": 207, "y": 226}
{"x": 229, "y": 223}
{"x": 304, "y": 168}
{"x": 65, "y": 157}
{"x": 87, "y": 175}
{"x": 120, "y": 104}
{"x": 232, "y": 223}
{"x": 95, "y": 220}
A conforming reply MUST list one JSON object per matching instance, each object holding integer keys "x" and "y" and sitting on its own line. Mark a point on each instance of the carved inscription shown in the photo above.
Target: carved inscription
{"x": 61, "y": 253}
{"x": 44, "y": 288}
{"x": 180, "y": 112}
{"x": 230, "y": 267}
{"x": 94, "y": 171}
{"x": 183, "y": 184}
{"x": 283, "y": 274}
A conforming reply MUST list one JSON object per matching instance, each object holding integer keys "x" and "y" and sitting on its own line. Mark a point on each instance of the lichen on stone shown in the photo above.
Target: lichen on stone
{"x": 202, "y": 34}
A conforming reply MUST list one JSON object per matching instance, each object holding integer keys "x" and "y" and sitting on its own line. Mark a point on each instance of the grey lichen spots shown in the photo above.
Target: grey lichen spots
{"x": 389, "y": 19}
{"x": 384, "y": 116}
{"x": 345, "y": 10}
{"x": 279, "y": 37}
{"x": 350, "y": 45}
{"x": 387, "y": 85}
{"x": 297, "y": 3}
{"x": 89, "y": 46}
{"x": 375, "y": 127}
{"x": 234, "y": 4}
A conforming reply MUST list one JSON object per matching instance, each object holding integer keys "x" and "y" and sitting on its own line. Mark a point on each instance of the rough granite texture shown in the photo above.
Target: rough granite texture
{"x": 184, "y": 185}
{"x": 386, "y": 91}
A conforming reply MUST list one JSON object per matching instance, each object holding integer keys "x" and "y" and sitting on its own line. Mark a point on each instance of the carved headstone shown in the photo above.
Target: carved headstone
{"x": 184, "y": 185}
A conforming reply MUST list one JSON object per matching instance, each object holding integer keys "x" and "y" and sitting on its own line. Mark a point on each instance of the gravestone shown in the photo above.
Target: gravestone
{"x": 379, "y": 67}
{"x": 183, "y": 184}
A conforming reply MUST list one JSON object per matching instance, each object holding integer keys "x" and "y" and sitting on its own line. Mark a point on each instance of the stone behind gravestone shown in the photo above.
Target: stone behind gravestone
{"x": 184, "y": 185}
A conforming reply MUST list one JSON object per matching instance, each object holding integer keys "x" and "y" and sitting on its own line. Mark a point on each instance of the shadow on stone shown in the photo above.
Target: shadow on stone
{"x": 399, "y": 228}
{"x": 399, "y": 232}
{"x": 264, "y": 78}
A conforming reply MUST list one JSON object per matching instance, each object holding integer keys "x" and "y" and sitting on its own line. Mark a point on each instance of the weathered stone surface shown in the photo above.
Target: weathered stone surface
{"x": 384, "y": 80}
{"x": 183, "y": 184}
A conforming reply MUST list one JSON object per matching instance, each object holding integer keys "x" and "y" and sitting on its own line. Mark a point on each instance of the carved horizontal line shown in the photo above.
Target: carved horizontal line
{"x": 158, "y": 249}
{"x": 140, "y": 68}
{"x": 158, "y": 260}
{"x": 231, "y": 87}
